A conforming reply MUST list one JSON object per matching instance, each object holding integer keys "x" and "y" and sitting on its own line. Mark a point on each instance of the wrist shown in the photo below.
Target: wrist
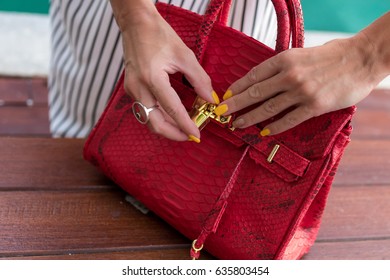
{"x": 132, "y": 13}
{"x": 377, "y": 38}
{"x": 371, "y": 56}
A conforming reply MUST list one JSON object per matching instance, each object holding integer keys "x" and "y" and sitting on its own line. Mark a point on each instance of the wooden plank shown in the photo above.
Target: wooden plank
{"x": 371, "y": 124}
{"x": 51, "y": 222}
{"x": 24, "y": 121}
{"x": 46, "y": 164}
{"x": 23, "y": 107}
{"x": 48, "y": 222}
{"x": 358, "y": 212}
{"x": 15, "y": 89}
{"x": 372, "y": 118}
{"x": 349, "y": 250}
{"x": 353, "y": 250}
{"x": 157, "y": 253}
{"x": 365, "y": 163}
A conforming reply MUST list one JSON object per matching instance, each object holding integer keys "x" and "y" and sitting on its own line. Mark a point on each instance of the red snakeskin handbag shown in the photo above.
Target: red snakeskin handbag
{"x": 238, "y": 195}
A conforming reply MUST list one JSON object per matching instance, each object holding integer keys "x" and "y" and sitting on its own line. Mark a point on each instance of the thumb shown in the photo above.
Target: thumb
{"x": 199, "y": 79}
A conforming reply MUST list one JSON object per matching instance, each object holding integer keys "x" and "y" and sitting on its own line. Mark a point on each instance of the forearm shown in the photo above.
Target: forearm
{"x": 376, "y": 41}
{"x": 128, "y": 13}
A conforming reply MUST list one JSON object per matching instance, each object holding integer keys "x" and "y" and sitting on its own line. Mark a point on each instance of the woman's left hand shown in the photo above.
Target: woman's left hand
{"x": 312, "y": 81}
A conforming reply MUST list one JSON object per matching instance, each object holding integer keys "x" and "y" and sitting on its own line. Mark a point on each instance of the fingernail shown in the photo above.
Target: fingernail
{"x": 221, "y": 109}
{"x": 193, "y": 138}
{"x": 227, "y": 94}
{"x": 238, "y": 123}
{"x": 265, "y": 132}
{"x": 215, "y": 97}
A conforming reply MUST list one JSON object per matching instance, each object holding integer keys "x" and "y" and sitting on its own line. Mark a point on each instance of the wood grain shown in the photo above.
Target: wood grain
{"x": 365, "y": 162}
{"x": 69, "y": 222}
{"x": 56, "y": 221}
{"x": 24, "y": 107}
{"x": 372, "y": 117}
{"x": 356, "y": 213}
{"x": 350, "y": 250}
{"x": 15, "y": 89}
{"x": 150, "y": 253}
{"x": 46, "y": 164}
{"x": 24, "y": 121}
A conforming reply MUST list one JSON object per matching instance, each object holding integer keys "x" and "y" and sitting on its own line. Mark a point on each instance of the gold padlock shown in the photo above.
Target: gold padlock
{"x": 202, "y": 112}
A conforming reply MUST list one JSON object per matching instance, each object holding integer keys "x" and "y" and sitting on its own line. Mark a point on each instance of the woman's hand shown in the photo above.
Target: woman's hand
{"x": 152, "y": 50}
{"x": 312, "y": 81}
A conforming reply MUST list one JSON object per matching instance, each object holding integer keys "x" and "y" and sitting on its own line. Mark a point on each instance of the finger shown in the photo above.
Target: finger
{"x": 172, "y": 105}
{"x": 159, "y": 121}
{"x": 169, "y": 119}
{"x": 166, "y": 116}
{"x": 254, "y": 94}
{"x": 290, "y": 120}
{"x": 268, "y": 109}
{"x": 159, "y": 125}
{"x": 259, "y": 73}
{"x": 198, "y": 78}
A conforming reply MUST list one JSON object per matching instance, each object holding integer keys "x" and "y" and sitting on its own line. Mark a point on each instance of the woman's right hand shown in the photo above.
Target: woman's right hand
{"x": 152, "y": 51}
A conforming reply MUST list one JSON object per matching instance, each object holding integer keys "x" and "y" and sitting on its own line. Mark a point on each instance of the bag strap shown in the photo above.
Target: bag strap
{"x": 289, "y": 22}
{"x": 212, "y": 220}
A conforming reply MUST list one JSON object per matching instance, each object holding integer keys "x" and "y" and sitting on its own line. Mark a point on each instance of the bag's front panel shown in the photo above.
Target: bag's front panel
{"x": 179, "y": 181}
{"x": 260, "y": 211}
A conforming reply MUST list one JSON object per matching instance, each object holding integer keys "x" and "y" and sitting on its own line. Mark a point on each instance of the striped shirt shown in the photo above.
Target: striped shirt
{"x": 87, "y": 55}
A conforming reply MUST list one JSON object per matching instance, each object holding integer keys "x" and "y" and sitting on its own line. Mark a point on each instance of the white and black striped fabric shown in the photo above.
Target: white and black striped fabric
{"x": 87, "y": 55}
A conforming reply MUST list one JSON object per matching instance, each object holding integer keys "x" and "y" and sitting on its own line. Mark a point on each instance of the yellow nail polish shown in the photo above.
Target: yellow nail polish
{"x": 215, "y": 97}
{"x": 227, "y": 94}
{"x": 221, "y": 109}
{"x": 193, "y": 138}
{"x": 265, "y": 132}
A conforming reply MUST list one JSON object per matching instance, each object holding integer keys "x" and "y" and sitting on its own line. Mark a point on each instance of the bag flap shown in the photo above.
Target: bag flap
{"x": 230, "y": 54}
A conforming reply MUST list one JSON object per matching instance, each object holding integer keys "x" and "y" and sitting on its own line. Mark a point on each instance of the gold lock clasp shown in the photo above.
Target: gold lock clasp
{"x": 202, "y": 112}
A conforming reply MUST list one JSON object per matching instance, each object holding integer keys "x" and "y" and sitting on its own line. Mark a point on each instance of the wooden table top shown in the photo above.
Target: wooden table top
{"x": 55, "y": 205}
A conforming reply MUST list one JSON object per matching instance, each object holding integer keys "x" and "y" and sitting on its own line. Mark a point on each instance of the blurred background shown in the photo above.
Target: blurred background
{"x": 330, "y": 15}
{"x": 25, "y": 52}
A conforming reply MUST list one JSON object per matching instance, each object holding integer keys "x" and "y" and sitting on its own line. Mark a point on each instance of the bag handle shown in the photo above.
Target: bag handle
{"x": 289, "y": 22}
{"x": 296, "y": 18}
